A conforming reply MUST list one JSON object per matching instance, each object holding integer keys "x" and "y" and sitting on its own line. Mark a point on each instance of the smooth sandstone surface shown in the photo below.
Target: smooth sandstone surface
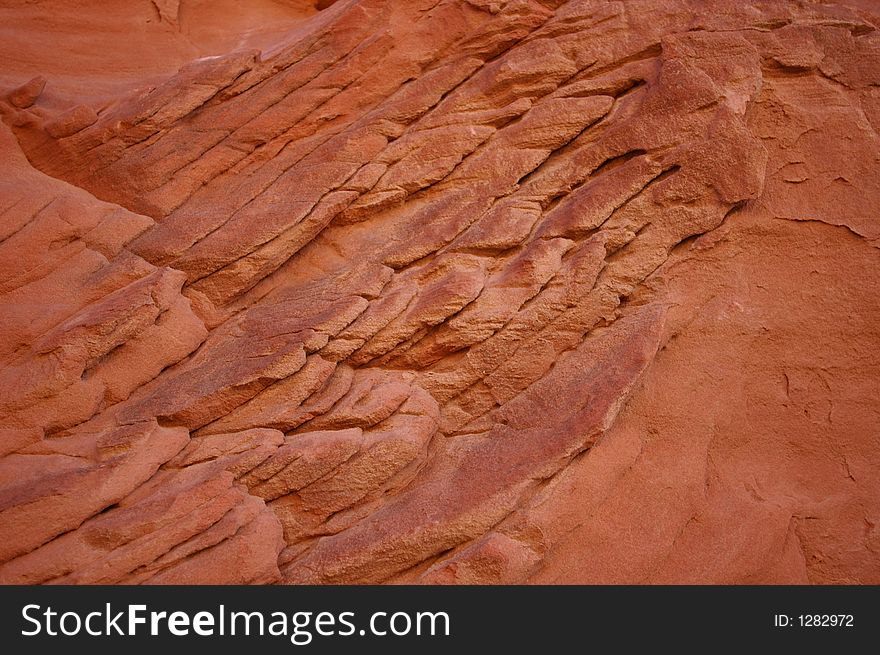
{"x": 441, "y": 291}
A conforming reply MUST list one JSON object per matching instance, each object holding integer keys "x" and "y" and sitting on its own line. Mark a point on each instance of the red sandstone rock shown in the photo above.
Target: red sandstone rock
{"x": 456, "y": 292}
{"x": 26, "y": 95}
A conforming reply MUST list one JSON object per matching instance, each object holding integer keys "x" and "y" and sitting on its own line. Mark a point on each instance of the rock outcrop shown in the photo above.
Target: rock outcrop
{"x": 442, "y": 291}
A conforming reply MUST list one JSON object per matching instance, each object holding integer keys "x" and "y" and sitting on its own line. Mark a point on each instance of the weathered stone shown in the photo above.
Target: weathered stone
{"x": 454, "y": 292}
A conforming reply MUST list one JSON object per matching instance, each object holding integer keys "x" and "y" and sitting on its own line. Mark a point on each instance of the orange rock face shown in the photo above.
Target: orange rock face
{"x": 456, "y": 291}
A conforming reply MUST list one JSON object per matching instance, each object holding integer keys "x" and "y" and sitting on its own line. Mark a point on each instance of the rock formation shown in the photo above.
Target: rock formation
{"x": 440, "y": 291}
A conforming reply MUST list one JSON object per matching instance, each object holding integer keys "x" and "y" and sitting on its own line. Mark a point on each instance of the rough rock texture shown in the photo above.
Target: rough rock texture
{"x": 440, "y": 291}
